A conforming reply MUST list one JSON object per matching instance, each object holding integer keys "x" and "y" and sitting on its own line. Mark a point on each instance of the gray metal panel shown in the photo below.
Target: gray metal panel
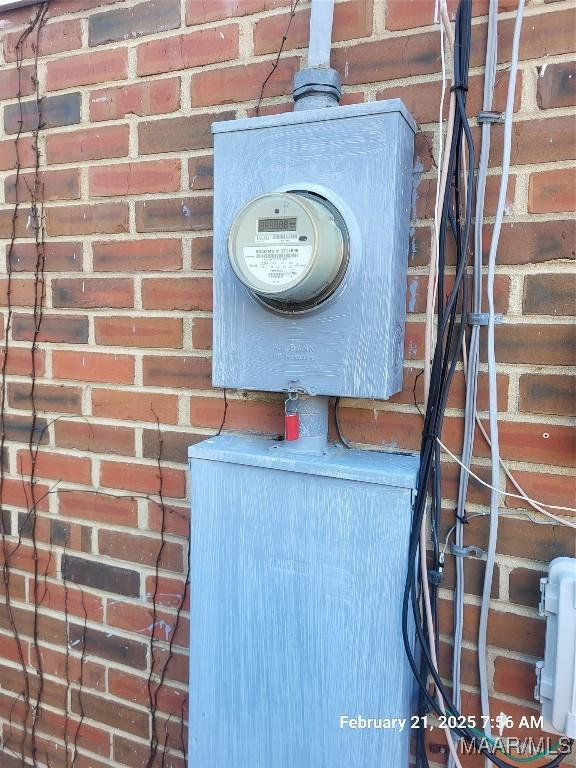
{"x": 352, "y": 345}
{"x": 296, "y": 593}
{"x": 316, "y": 115}
{"x": 392, "y": 469}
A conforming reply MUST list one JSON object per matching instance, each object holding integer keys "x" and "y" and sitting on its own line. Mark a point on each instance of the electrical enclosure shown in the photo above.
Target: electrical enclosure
{"x": 556, "y": 675}
{"x": 298, "y": 565}
{"x": 356, "y": 161}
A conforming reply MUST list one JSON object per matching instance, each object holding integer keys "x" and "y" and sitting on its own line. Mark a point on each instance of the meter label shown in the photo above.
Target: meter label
{"x": 276, "y": 237}
{"x": 277, "y": 264}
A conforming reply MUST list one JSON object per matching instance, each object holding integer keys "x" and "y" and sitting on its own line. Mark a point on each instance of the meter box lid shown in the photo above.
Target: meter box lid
{"x": 317, "y": 303}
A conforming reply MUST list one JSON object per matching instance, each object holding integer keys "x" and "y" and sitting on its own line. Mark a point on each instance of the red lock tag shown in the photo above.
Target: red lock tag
{"x": 291, "y": 426}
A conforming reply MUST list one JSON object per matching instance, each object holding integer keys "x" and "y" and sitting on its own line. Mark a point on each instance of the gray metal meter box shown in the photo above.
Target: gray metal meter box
{"x": 311, "y": 228}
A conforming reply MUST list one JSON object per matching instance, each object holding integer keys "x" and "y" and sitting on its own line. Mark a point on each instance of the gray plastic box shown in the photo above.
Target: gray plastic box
{"x": 360, "y": 158}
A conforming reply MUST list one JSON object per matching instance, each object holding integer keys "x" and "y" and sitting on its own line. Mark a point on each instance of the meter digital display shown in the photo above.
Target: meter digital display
{"x": 277, "y": 225}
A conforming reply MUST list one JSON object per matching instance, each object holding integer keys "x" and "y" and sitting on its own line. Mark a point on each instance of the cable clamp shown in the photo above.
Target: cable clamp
{"x": 483, "y": 318}
{"x": 435, "y": 577}
{"x": 462, "y": 518}
{"x": 459, "y": 87}
{"x": 490, "y": 117}
{"x": 476, "y": 553}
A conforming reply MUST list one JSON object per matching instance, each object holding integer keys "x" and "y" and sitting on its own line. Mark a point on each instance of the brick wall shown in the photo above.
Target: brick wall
{"x": 129, "y": 91}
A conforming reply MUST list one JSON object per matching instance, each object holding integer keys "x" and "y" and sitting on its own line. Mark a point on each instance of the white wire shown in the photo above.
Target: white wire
{"x": 524, "y": 497}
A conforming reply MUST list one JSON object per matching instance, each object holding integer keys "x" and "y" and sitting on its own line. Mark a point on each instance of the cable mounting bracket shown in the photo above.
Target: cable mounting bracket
{"x": 490, "y": 117}
{"x": 476, "y": 553}
{"x": 483, "y": 318}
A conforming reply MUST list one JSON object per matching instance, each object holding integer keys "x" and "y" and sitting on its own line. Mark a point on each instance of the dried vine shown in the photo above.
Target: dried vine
{"x": 293, "y": 6}
{"x": 28, "y": 522}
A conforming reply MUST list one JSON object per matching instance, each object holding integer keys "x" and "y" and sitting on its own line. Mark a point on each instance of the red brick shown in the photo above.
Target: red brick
{"x": 135, "y": 178}
{"x": 86, "y": 69}
{"x": 22, "y": 557}
{"x": 139, "y": 331}
{"x": 135, "y": 689}
{"x": 170, "y": 445}
{"x": 55, "y": 466}
{"x": 105, "y": 710}
{"x": 87, "y": 144}
{"x": 143, "y": 478}
{"x": 198, "y": 12}
{"x": 538, "y": 443}
{"x": 418, "y": 13}
{"x": 202, "y": 253}
{"x": 58, "y": 597}
{"x": 16, "y": 493}
{"x": 19, "y": 225}
{"x": 135, "y": 406}
{"x": 17, "y": 81}
{"x": 241, "y": 82}
{"x": 423, "y": 99}
{"x": 247, "y": 415}
{"x": 546, "y": 487}
{"x": 71, "y": 329}
{"x": 58, "y": 257}
{"x": 47, "y": 397}
{"x": 19, "y": 361}
{"x": 52, "y": 112}
{"x": 352, "y": 19}
{"x": 557, "y": 85}
{"x": 93, "y": 366}
{"x": 535, "y": 242}
{"x": 202, "y": 332}
{"x": 185, "y": 372}
{"x": 388, "y": 59}
{"x": 59, "y": 7}
{"x": 57, "y": 37}
{"x": 552, "y": 294}
{"x": 514, "y": 677}
{"x": 554, "y": 394}
{"x": 195, "y": 49}
{"x": 535, "y": 141}
{"x": 505, "y": 630}
{"x": 179, "y": 215}
{"x": 535, "y": 344}
{"x": 182, "y": 293}
{"x": 201, "y": 172}
{"x": 169, "y": 591}
{"x": 426, "y": 196}
{"x": 143, "y": 550}
{"x": 23, "y": 292}
{"x": 552, "y": 191}
{"x": 10, "y": 154}
{"x": 546, "y": 34}
{"x": 105, "y": 645}
{"x": 176, "y": 520}
{"x": 524, "y": 586}
{"x": 70, "y": 535}
{"x": 90, "y": 219}
{"x": 94, "y": 438}
{"x": 416, "y": 294}
{"x": 175, "y": 134}
{"x": 76, "y": 292}
{"x": 126, "y": 23}
{"x": 153, "y": 98}
{"x": 157, "y": 254}
{"x": 57, "y": 663}
{"x": 98, "y": 508}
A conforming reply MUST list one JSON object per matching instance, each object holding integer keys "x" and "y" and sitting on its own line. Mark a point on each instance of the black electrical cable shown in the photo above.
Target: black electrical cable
{"x": 451, "y": 328}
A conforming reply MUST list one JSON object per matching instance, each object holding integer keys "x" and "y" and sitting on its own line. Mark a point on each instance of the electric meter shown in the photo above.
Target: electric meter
{"x": 290, "y": 249}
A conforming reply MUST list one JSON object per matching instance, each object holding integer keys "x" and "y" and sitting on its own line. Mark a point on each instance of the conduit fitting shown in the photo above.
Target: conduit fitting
{"x": 316, "y": 88}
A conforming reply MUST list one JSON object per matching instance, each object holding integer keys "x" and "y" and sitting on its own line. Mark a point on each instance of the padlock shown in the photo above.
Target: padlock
{"x": 291, "y": 426}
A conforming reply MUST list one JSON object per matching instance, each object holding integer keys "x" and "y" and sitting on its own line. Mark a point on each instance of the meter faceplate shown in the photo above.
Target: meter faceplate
{"x": 289, "y": 249}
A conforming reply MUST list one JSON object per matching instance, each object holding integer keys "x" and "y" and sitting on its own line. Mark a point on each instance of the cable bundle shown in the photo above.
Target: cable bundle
{"x": 420, "y": 596}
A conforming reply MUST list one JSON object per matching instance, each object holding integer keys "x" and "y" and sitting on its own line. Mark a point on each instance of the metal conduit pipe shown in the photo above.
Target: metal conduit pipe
{"x": 318, "y": 86}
